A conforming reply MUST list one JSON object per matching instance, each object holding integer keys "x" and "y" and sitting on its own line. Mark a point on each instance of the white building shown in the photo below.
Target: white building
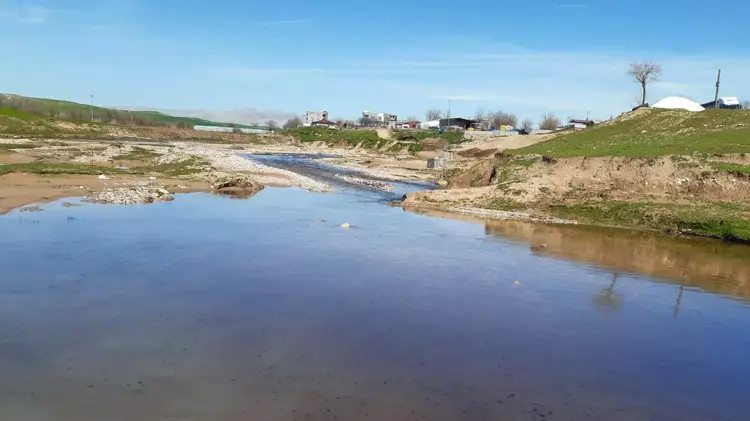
{"x": 314, "y": 116}
{"x": 370, "y": 118}
{"x": 432, "y": 124}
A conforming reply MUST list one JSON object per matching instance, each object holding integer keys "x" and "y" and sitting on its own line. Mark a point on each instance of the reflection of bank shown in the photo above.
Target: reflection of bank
{"x": 608, "y": 298}
{"x": 679, "y": 301}
{"x": 710, "y": 265}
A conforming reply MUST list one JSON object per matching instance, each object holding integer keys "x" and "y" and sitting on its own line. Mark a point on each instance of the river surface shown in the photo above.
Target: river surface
{"x": 212, "y": 308}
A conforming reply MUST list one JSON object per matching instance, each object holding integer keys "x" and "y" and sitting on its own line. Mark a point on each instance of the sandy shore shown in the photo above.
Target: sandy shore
{"x": 18, "y": 190}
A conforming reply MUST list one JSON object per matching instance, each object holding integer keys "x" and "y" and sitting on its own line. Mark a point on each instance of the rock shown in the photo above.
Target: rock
{"x": 162, "y": 191}
{"x": 152, "y": 178}
{"x": 345, "y": 226}
{"x": 442, "y": 183}
{"x": 102, "y": 177}
{"x": 239, "y": 185}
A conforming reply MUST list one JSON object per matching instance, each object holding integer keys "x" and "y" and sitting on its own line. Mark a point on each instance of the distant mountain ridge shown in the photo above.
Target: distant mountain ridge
{"x": 247, "y": 116}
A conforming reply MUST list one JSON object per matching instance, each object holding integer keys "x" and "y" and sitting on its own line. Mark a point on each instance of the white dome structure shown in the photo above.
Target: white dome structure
{"x": 678, "y": 103}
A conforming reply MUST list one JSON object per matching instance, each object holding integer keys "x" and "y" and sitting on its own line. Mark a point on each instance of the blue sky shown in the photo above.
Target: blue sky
{"x": 528, "y": 57}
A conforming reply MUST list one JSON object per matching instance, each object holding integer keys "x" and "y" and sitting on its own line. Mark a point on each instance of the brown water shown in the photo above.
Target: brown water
{"x": 208, "y": 308}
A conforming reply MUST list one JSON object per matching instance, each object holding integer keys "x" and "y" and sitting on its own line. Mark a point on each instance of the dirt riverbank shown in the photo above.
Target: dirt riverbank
{"x": 701, "y": 196}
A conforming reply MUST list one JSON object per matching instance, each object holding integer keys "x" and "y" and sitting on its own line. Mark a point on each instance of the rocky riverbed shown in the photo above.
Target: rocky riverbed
{"x": 226, "y": 159}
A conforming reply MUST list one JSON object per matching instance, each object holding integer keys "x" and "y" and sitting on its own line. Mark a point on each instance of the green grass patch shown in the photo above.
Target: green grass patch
{"x": 732, "y": 168}
{"x": 9, "y": 112}
{"x": 18, "y": 106}
{"x": 420, "y": 135}
{"x": 137, "y": 154}
{"x": 505, "y": 204}
{"x": 652, "y": 132}
{"x": 727, "y": 221}
{"x": 185, "y": 167}
{"x": 414, "y": 147}
{"x": 367, "y": 138}
{"x": 50, "y": 168}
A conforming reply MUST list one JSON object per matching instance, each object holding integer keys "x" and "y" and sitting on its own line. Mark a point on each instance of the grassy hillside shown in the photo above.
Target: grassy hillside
{"x": 82, "y": 113}
{"x": 405, "y": 139}
{"x": 653, "y": 132}
{"x": 19, "y": 123}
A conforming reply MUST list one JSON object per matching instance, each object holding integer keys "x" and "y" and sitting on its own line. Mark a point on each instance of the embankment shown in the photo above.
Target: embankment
{"x": 706, "y": 196}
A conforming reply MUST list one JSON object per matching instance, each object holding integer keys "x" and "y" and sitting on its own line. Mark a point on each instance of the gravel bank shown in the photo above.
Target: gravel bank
{"x": 227, "y": 160}
{"x": 373, "y": 184}
{"x": 131, "y": 195}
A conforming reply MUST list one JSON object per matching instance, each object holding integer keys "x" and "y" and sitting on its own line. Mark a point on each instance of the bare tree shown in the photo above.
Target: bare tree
{"x": 433, "y": 114}
{"x": 412, "y": 119}
{"x": 272, "y": 125}
{"x": 480, "y": 115}
{"x": 527, "y": 126}
{"x": 501, "y": 118}
{"x": 644, "y": 73}
{"x": 746, "y": 105}
{"x": 549, "y": 122}
{"x": 293, "y": 123}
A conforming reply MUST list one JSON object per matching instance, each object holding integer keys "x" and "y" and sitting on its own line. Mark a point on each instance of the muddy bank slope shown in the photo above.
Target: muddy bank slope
{"x": 688, "y": 195}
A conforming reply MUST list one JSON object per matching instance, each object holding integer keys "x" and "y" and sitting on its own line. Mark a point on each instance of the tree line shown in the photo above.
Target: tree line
{"x": 499, "y": 118}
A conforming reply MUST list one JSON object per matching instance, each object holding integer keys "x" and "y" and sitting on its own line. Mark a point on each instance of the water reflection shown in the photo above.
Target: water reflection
{"x": 710, "y": 265}
{"x": 207, "y": 308}
{"x": 608, "y": 299}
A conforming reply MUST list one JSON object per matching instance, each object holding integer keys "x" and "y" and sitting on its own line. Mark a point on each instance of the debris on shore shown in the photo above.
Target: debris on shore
{"x": 131, "y": 195}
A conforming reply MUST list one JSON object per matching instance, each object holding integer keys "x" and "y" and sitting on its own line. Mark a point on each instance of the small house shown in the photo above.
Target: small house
{"x": 324, "y": 123}
{"x": 726, "y": 103}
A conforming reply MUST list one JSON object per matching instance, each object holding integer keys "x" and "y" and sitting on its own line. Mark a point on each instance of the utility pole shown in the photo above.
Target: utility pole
{"x": 449, "y": 109}
{"x": 718, "y": 84}
{"x": 91, "y": 102}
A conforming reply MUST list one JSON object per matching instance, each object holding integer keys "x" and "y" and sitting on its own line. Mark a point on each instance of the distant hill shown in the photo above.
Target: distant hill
{"x": 249, "y": 116}
{"x": 649, "y": 132}
{"x": 82, "y": 113}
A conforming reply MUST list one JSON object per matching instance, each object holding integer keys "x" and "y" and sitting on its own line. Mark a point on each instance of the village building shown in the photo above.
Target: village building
{"x": 314, "y": 116}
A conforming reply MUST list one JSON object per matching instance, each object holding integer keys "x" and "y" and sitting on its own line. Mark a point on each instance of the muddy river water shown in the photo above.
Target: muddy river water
{"x": 212, "y": 308}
